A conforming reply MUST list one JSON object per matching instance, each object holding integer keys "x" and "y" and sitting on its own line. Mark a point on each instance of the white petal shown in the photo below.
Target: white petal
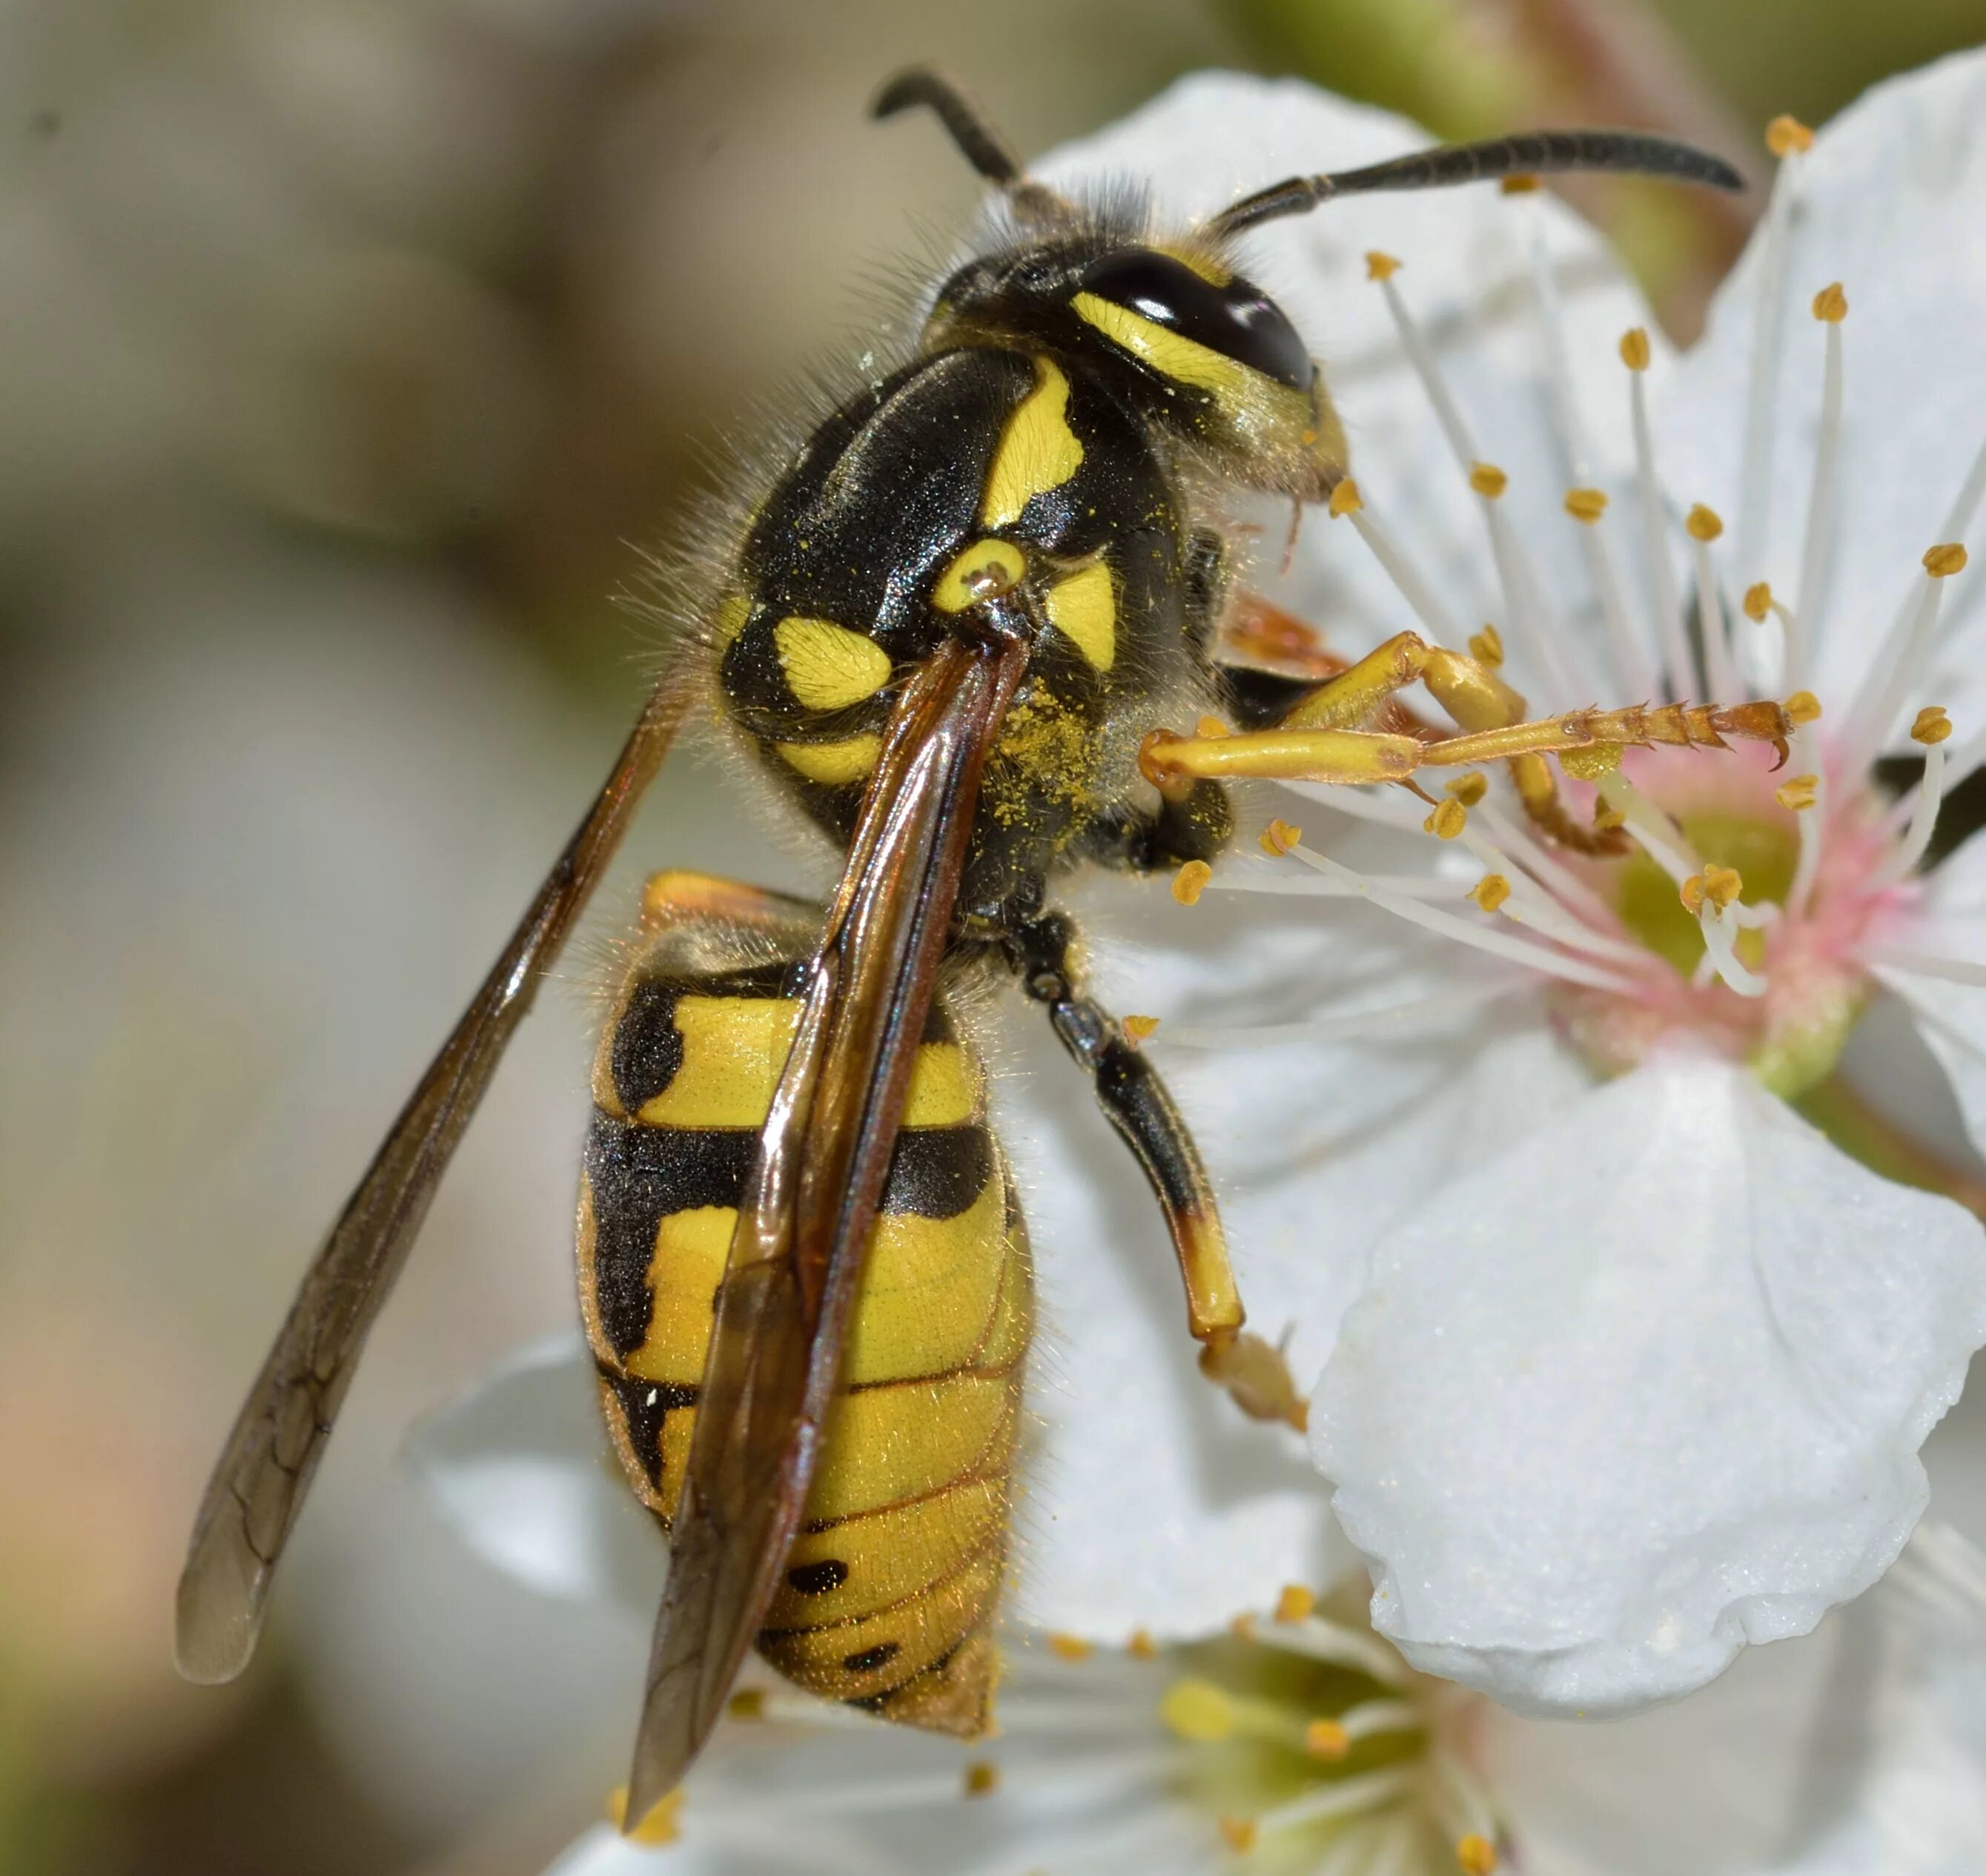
{"x": 1147, "y": 1500}
{"x": 1892, "y": 193}
{"x": 1649, "y": 1388}
{"x": 1859, "y": 1749}
{"x": 1217, "y": 136}
{"x": 520, "y": 1468}
{"x": 1952, "y": 1016}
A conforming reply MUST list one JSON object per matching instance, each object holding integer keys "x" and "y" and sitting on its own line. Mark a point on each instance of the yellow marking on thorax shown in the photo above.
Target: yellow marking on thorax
{"x": 733, "y": 1050}
{"x": 728, "y": 620}
{"x": 848, "y": 760}
{"x": 985, "y": 570}
{"x": 1083, "y": 608}
{"x": 1170, "y": 353}
{"x": 1038, "y": 450}
{"x": 826, "y": 666}
{"x": 930, "y": 1290}
{"x": 685, "y": 1270}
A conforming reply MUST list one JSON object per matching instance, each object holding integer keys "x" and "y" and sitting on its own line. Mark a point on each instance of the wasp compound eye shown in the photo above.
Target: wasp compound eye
{"x": 1233, "y": 318}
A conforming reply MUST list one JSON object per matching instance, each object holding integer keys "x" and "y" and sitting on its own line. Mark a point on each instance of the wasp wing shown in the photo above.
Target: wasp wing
{"x": 797, "y": 1253}
{"x": 265, "y": 1468}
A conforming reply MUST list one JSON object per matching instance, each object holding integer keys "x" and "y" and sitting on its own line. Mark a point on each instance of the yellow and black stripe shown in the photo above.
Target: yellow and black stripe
{"x": 891, "y": 1587}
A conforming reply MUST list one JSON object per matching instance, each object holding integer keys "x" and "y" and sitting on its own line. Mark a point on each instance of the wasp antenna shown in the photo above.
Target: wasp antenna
{"x": 1530, "y": 153}
{"x": 980, "y": 144}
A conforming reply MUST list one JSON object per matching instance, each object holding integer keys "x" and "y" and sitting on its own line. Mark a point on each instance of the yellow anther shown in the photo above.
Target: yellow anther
{"x": 1486, "y": 647}
{"x": 982, "y": 1779}
{"x": 1830, "y": 305}
{"x": 1449, "y": 818}
{"x": 1758, "y": 602}
{"x": 1190, "y": 881}
{"x": 1211, "y": 727}
{"x": 1787, "y": 136}
{"x": 1491, "y": 891}
{"x": 1295, "y": 1604}
{"x": 1141, "y": 1647}
{"x": 1519, "y": 185}
{"x": 1243, "y": 1627}
{"x": 1346, "y": 499}
{"x": 1586, "y": 504}
{"x": 1071, "y": 1648}
{"x": 1932, "y": 725}
{"x": 1380, "y": 266}
{"x": 1240, "y": 1833}
{"x": 1138, "y": 1028}
{"x": 1635, "y": 351}
{"x": 1941, "y": 563}
{"x": 661, "y": 1826}
{"x": 1704, "y": 523}
{"x": 747, "y": 1703}
{"x": 1803, "y": 707}
{"x": 1487, "y": 480}
{"x": 1470, "y": 789}
{"x": 1279, "y": 838}
{"x": 1607, "y": 817}
{"x": 1722, "y": 884}
{"x": 1326, "y": 1740}
{"x": 1199, "y": 1711}
{"x": 1690, "y": 893}
{"x": 1798, "y": 791}
{"x": 1476, "y": 1854}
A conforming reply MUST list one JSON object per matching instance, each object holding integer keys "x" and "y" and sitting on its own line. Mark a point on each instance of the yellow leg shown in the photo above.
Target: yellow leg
{"x": 1314, "y": 742}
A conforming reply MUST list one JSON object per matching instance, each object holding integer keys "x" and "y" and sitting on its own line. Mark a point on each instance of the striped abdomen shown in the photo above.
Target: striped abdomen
{"x": 891, "y": 1586}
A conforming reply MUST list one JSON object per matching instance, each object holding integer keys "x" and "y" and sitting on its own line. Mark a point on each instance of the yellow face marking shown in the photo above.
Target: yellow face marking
{"x": 1170, "y": 354}
{"x": 888, "y": 1557}
{"x": 1038, "y": 450}
{"x": 984, "y": 571}
{"x": 848, "y": 760}
{"x": 929, "y": 1292}
{"x": 1083, "y": 608}
{"x": 826, "y": 666}
{"x": 685, "y": 1270}
{"x": 733, "y": 1050}
{"x": 728, "y": 620}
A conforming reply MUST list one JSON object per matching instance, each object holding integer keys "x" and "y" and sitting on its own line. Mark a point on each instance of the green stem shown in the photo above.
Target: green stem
{"x": 1843, "y": 1114}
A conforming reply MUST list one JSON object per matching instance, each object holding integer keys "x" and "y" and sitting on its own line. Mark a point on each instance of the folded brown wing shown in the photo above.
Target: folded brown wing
{"x": 264, "y": 1470}
{"x": 805, "y": 1222}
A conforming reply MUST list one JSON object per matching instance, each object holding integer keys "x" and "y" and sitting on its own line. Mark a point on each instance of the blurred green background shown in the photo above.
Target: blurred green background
{"x": 347, "y": 351}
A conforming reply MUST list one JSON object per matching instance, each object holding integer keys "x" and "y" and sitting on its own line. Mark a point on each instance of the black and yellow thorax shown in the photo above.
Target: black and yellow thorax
{"x": 975, "y": 456}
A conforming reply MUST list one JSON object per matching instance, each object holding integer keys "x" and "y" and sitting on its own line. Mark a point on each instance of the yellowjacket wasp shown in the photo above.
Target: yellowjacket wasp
{"x": 953, "y": 626}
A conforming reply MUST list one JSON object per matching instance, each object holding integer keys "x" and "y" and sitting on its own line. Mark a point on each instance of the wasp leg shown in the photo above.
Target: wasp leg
{"x": 1137, "y": 1104}
{"x": 1317, "y": 741}
{"x": 679, "y": 897}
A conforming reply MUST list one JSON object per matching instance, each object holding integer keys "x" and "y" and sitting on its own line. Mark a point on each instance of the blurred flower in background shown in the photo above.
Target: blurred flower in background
{"x": 345, "y": 348}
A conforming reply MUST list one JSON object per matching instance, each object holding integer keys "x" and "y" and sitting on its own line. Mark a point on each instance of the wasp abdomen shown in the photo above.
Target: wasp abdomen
{"x": 890, "y": 1588}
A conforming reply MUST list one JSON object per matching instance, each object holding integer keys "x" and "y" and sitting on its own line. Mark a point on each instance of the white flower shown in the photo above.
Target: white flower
{"x": 1634, "y": 1371}
{"x": 1631, "y": 1372}
{"x": 1301, "y": 1744}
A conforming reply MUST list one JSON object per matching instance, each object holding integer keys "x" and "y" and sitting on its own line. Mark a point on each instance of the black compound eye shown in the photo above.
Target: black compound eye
{"x": 1237, "y": 319}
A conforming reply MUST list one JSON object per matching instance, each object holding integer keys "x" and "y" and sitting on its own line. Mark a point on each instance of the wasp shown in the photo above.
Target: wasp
{"x": 953, "y": 627}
